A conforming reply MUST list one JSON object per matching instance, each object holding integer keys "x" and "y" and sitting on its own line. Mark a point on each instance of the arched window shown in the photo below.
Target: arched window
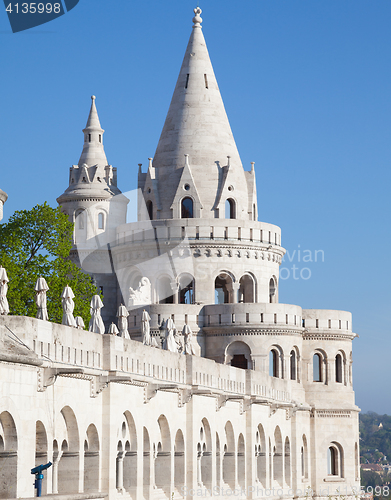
{"x": 334, "y": 461}
{"x": 317, "y": 367}
{"x": 223, "y": 289}
{"x": 150, "y": 209}
{"x": 230, "y": 209}
{"x": 293, "y": 365}
{"x": 272, "y": 290}
{"x": 273, "y": 363}
{"x": 238, "y": 354}
{"x": 101, "y": 221}
{"x": 247, "y": 289}
{"x": 80, "y": 220}
{"x": 338, "y": 369}
{"x": 186, "y": 289}
{"x": 304, "y": 458}
{"x": 187, "y": 208}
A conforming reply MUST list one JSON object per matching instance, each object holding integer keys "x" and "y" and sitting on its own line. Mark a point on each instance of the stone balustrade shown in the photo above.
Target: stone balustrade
{"x": 168, "y": 230}
{"x": 57, "y": 345}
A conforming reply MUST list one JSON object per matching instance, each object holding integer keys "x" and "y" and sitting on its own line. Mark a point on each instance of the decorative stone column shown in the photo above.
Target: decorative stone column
{"x": 235, "y": 292}
{"x": 56, "y": 458}
{"x": 120, "y": 471}
{"x": 175, "y": 291}
{"x": 199, "y": 478}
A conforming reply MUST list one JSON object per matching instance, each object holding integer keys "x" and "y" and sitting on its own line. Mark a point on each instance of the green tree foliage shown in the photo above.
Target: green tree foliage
{"x": 36, "y": 243}
{"x": 375, "y": 437}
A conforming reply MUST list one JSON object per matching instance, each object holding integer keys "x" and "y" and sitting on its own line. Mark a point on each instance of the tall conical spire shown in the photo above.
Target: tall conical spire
{"x": 93, "y": 176}
{"x": 93, "y": 152}
{"x": 196, "y": 122}
{"x": 197, "y": 125}
{"x": 93, "y": 118}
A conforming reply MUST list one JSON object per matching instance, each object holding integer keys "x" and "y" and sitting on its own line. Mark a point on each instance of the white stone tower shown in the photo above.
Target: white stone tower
{"x": 200, "y": 215}
{"x": 197, "y": 128}
{"x": 96, "y": 206}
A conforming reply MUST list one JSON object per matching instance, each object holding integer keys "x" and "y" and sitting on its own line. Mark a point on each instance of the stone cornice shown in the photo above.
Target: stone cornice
{"x": 328, "y": 336}
{"x": 125, "y": 251}
{"x": 212, "y": 331}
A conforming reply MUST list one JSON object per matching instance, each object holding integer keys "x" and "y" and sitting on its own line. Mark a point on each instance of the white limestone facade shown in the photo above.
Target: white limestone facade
{"x": 264, "y": 408}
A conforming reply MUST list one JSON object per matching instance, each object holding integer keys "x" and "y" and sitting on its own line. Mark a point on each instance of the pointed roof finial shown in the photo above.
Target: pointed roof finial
{"x": 197, "y": 20}
{"x": 93, "y": 118}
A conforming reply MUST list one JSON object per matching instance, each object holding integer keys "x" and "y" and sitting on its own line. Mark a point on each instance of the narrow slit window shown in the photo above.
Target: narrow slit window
{"x": 206, "y": 81}
{"x": 101, "y": 221}
{"x": 89, "y": 137}
{"x": 187, "y": 81}
{"x": 100, "y": 138}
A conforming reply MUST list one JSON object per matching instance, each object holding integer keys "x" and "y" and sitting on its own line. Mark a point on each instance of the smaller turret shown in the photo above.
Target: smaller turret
{"x": 96, "y": 206}
{"x": 93, "y": 201}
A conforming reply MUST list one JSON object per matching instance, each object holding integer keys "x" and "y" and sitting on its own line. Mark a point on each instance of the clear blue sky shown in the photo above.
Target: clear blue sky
{"x": 307, "y": 88}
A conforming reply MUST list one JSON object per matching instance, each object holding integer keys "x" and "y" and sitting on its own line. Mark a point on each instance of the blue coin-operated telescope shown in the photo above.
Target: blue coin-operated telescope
{"x": 39, "y": 476}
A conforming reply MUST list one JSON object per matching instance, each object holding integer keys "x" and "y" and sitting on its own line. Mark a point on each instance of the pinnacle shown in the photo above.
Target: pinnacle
{"x": 93, "y": 152}
{"x": 196, "y": 124}
{"x": 197, "y": 19}
{"x": 93, "y": 118}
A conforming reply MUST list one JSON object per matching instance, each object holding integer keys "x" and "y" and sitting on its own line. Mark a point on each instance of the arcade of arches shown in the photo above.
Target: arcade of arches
{"x": 154, "y": 455}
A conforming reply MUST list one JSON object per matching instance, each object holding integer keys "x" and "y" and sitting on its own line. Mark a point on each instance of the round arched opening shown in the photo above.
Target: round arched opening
{"x": 187, "y": 208}
{"x": 223, "y": 289}
{"x": 238, "y": 354}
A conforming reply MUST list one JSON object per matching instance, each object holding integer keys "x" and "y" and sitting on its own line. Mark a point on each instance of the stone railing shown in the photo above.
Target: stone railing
{"x": 326, "y": 320}
{"x": 171, "y": 230}
{"x": 60, "y": 346}
{"x": 261, "y": 385}
{"x": 253, "y": 315}
{"x": 53, "y": 342}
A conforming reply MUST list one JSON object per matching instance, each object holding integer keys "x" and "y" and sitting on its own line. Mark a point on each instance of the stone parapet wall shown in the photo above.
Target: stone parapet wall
{"x": 128, "y": 361}
{"x": 200, "y": 229}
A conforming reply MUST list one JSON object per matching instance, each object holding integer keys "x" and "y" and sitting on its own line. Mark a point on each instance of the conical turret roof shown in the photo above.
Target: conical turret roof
{"x": 196, "y": 122}
{"x": 93, "y": 151}
{"x": 92, "y": 177}
{"x": 197, "y": 125}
